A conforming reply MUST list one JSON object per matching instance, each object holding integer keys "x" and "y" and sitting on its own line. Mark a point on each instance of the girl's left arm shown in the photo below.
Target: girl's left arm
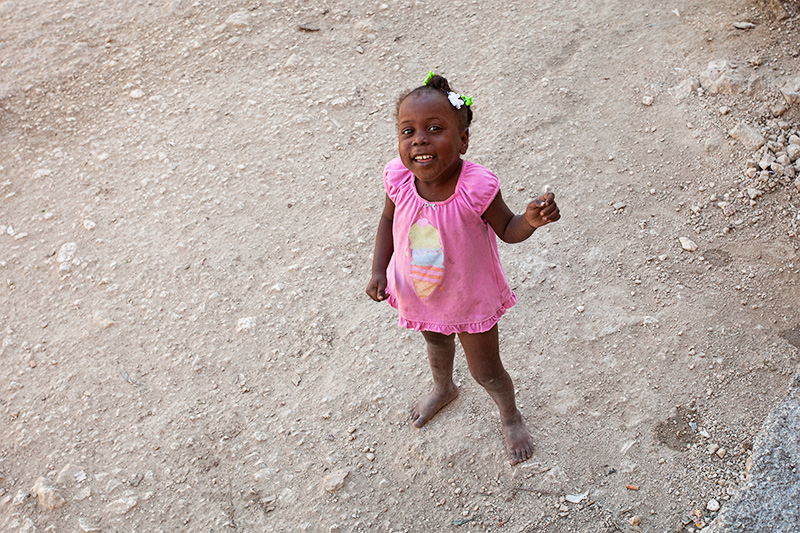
{"x": 516, "y": 228}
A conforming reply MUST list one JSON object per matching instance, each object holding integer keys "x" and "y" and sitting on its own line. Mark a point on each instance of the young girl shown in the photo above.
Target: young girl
{"x": 436, "y": 257}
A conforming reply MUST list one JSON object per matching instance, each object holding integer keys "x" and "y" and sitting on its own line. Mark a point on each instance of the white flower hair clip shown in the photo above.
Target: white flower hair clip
{"x": 455, "y": 99}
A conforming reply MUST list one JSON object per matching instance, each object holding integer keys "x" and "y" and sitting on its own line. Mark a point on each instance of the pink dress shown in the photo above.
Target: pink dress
{"x": 445, "y": 273}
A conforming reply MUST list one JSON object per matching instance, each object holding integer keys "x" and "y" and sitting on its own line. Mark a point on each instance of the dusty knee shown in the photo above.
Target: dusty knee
{"x": 491, "y": 380}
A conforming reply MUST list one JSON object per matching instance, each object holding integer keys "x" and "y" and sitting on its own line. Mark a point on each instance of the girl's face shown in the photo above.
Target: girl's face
{"x": 430, "y": 139}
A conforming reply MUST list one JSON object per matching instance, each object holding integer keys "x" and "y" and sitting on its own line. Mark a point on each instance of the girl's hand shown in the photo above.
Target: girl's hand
{"x": 543, "y": 210}
{"x": 377, "y": 287}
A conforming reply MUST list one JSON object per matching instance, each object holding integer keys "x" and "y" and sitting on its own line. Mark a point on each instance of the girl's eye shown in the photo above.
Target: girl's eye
{"x": 434, "y": 128}
{"x": 406, "y": 131}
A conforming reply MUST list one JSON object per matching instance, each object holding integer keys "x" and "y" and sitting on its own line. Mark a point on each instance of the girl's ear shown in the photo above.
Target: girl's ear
{"x": 464, "y": 140}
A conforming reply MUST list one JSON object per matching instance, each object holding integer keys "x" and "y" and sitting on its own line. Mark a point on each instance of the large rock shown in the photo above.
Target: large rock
{"x": 770, "y": 502}
{"x": 726, "y": 77}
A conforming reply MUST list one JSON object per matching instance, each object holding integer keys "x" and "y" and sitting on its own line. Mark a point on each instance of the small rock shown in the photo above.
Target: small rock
{"x": 88, "y": 224}
{"x": 137, "y": 94}
{"x": 724, "y": 77}
{"x": 70, "y": 474}
{"x": 67, "y": 252}
{"x": 335, "y": 480}
{"x": 744, "y": 25}
{"x": 753, "y": 193}
{"x": 728, "y": 209}
{"x": 791, "y": 91}
{"x": 88, "y": 525}
{"x": 246, "y": 324}
{"x": 635, "y": 520}
{"x": 721, "y": 453}
{"x": 647, "y": 101}
{"x": 793, "y": 151}
{"x": 49, "y": 496}
{"x": 101, "y": 320}
{"x": 308, "y": 27}
{"x": 122, "y": 506}
{"x": 684, "y": 89}
{"x": 260, "y": 436}
{"x": 688, "y": 244}
{"x": 749, "y": 136}
{"x": 293, "y": 62}
{"x": 240, "y": 19}
{"x": 712, "y": 449}
{"x": 713, "y": 505}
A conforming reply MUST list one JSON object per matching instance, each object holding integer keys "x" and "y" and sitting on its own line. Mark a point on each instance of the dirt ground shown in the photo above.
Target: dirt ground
{"x": 189, "y": 193}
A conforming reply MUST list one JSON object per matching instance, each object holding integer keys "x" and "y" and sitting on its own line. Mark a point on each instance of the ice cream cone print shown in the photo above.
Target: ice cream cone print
{"x": 427, "y": 257}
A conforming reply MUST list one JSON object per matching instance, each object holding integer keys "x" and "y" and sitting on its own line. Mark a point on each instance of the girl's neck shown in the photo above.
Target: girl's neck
{"x": 439, "y": 191}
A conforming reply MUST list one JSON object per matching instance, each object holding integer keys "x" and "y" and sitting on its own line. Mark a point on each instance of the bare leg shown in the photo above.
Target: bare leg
{"x": 483, "y": 356}
{"x": 441, "y": 351}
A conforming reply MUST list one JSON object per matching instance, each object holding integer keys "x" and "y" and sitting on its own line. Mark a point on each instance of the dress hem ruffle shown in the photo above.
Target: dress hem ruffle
{"x": 448, "y": 329}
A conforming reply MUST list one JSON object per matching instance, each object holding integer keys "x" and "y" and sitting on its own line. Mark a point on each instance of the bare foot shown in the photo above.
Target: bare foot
{"x": 519, "y": 443}
{"x": 429, "y": 405}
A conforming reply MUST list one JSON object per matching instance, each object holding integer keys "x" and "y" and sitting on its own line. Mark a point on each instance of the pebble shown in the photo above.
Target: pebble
{"x": 70, "y": 474}
{"x": 713, "y": 505}
{"x": 49, "y": 497}
{"x": 88, "y": 525}
{"x": 101, "y": 320}
{"x": 67, "y": 252}
{"x": 647, "y": 101}
{"x": 260, "y": 436}
{"x": 744, "y": 25}
{"x": 122, "y": 506}
{"x": 791, "y": 91}
{"x": 137, "y": 94}
{"x": 334, "y": 481}
{"x": 246, "y": 324}
{"x": 688, "y": 244}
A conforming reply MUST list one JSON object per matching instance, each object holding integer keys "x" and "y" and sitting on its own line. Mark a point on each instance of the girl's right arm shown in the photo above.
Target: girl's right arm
{"x": 384, "y": 248}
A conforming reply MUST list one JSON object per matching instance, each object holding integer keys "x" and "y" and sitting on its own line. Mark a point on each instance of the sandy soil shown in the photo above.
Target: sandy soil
{"x": 189, "y": 193}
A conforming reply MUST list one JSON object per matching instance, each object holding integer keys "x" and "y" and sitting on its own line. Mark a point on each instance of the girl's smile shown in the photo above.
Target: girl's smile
{"x": 431, "y": 141}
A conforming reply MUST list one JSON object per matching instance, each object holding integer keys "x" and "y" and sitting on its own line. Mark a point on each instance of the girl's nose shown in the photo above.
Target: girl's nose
{"x": 420, "y": 138}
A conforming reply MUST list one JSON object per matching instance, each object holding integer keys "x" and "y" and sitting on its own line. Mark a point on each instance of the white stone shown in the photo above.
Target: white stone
{"x": 136, "y": 94}
{"x": 70, "y": 474}
{"x": 122, "y": 506}
{"x": 335, "y": 480}
{"x": 713, "y": 505}
{"x": 647, "y": 101}
{"x": 240, "y": 19}
{"x": 101, "y": 320}
{"x": 67, "y": 252}
{"x": 688, "y": 244}
{"x": 89, "y": 224}
{"x": 246, "y": 324}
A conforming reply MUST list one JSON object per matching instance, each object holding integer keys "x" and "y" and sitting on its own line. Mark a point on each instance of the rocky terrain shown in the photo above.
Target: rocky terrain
{"x": 189, "y": 193}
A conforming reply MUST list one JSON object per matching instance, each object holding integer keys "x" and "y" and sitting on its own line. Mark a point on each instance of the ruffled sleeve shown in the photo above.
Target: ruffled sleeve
{"x": 394, "y": 176}
{"x": 478, "y": 186}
